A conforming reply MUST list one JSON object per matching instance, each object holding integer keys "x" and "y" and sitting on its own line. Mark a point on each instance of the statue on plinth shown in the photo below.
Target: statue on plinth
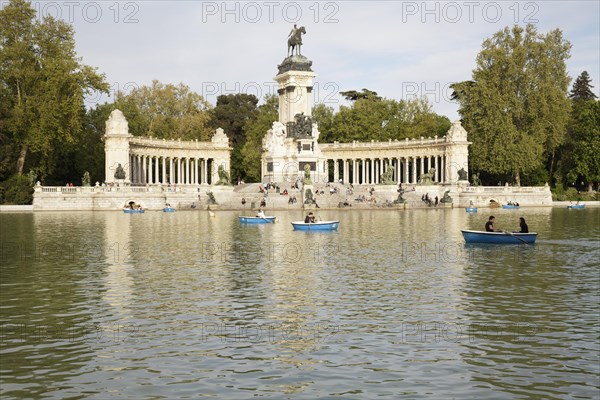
{"x": 301, "y": 127}
{"x": 427, "y": 179}
{"x": 386, "y": 178}
{"x": 211, "y": 198}
{"x": 462, "y": 174}
{"x": 85, "y": 179}
{"x": 307, "y": 180}
{"x": 119, "y": 172}
{"x": 223, "y": 176}
{"x": 446, "y": 198}
{"x": 295, "y": 40}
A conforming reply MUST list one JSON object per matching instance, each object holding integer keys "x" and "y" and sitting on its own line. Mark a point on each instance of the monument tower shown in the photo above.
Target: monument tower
{"x": 291, "y": 147}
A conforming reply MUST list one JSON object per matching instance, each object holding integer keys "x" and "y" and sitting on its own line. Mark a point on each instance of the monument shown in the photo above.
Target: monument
{"x": 116, "y": 147}
{"x": 290, "y": 148}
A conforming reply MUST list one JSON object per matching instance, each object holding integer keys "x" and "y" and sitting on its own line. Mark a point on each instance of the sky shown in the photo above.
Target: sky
{"x": 400, "y": 49}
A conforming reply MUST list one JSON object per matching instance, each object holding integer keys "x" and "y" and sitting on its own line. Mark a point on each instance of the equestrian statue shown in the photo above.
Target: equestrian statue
{"x": 295, "y": 39}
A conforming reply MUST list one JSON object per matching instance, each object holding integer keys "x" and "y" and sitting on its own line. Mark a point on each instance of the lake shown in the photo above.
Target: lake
{"x": 394, "y": 304}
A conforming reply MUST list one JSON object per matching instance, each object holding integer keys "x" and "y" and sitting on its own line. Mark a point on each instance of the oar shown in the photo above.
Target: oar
{"x": 515, "y": 236}
{"x": 271, "y": 222}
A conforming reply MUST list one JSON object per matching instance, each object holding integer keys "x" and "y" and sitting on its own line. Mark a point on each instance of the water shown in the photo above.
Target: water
{"x": 158, "y": 305}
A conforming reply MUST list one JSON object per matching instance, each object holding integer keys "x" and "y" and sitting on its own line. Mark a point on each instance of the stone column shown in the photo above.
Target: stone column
{"x": 421, "y": 165}
{"x": 187, "y": 167}
{"x": 445, "y": 173}
{"x": 414, "y": 170}
{"x": 336, "y": 171}
{"x": 156, "y": 174}
{"x": 405, "y": 169}
{"x": 204, "y": 171}
{"x": 398, "y": 177}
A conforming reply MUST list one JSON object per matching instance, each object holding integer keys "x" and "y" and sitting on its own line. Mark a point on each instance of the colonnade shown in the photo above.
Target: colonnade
{"x": 368, "y": 171}
{"x": 149, "y": 169}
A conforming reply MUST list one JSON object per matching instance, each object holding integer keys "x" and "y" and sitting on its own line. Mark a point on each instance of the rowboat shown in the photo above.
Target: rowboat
{"x": 509, "y": 206}
{"x": 471, "y": 209}
{"x": 315, "y": 226}
{"x": 168, "y": 209}
{"x": 498, "y": 237}
{"x": 257, "y": 220}
{"x": 133, "y": 211}
{"x": 576, "y": 206}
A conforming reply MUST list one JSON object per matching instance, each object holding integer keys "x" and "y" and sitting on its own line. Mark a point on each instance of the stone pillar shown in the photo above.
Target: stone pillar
{"x": 336, "y": 171}
{"x": 414, "y": 170}
{"x": 204, "y": 171}
{"x": 116, "y": 147}
{"x": 398, "y": 177}
{"x": 164, "y": 171}
{"x": 445, "y": 172}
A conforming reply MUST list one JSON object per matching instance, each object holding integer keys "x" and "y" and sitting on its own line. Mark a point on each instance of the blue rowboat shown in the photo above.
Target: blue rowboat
{"x": 134, "y": 211}
{"x": 257, "y": 220}
{"x": 576, "y": 206}
{"x": 168, "y": 209}
{"x": 498, "y": 237}
{"x": 316, "y": 226}
{"x": 471, "y": 209}
{"x": 509, "y": 206}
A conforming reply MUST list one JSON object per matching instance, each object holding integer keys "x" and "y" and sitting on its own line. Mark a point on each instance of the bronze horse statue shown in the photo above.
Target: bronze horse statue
{"x": 296, "y": 40}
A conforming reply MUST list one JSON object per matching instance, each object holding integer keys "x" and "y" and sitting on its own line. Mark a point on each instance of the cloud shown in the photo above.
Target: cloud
{"x": 386, "y": 46}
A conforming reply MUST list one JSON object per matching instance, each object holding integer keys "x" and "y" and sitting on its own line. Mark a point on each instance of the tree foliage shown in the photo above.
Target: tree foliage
{"x": 581, "y": 155}
{"x": 232, "y": 113}
{"x": 582, "y": 88}
{"x": 380, "y": 119}
{"x": 353, "y": 95}
{"x": 42, "y": 87}
{"x": 515, "y": 108}
{"x": 166, "y": 111}
{"x": 254, "y": 131}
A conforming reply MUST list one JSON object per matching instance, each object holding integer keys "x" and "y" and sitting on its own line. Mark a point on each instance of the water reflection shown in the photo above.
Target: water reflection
{"x": 394, "y": 304}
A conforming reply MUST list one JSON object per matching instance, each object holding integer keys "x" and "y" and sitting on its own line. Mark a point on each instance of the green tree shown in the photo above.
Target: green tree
{"x": 166, "y": 111}
{"x": 323, "y": 115}
{"x": 353, "y": 95}
{"x": 232, "y": 113}
{"x": 42, "y": 86}
{"x": 582, "y": 88}
{"x": 380, "y": 119}
{"x": 516, "y": 107}
{"x": 255, "y": 131}
{"x": 581, "y": 158}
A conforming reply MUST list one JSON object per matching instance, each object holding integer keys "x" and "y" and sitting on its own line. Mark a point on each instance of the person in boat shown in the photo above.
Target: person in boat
{"x": 167, "y": 205}
{"x": 260, "y": 213}
{"x": 489, "y": 226}
{"x": 523, "y": 225}
{"x": 310, "y": 218}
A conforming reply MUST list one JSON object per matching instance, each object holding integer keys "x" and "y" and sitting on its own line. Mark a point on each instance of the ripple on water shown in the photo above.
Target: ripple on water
{"x": 392, "y": 306}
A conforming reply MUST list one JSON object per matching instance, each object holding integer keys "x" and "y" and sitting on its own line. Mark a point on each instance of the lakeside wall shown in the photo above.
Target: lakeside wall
{"x": 154, "y": 197}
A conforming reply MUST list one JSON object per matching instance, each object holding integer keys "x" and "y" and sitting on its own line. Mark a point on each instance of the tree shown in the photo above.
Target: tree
{"x": 353, "y": 95}
{"x": 254, "y": 132}
{"x": 323, "y": 116}
{"x": 380, "y": 119}
{"x": 582, "y": 88}
{"x": 581, "y": 158}
{"x": 42, "y": 85}
{"x": 232, "y": 113}
{"x": 166, "y": 111}
{"x": 515, "y": 107}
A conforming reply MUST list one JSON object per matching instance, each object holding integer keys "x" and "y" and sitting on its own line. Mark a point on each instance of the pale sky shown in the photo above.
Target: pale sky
{"x": 397, "y": 48}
